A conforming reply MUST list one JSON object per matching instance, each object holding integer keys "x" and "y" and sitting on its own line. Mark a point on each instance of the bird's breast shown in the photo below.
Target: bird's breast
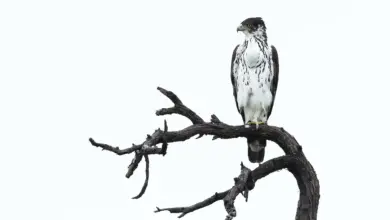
{"x": 252, "y": 55}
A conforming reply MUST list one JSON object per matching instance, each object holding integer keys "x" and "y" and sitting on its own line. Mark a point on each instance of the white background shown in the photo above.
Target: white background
{"x": 71, "y": 70}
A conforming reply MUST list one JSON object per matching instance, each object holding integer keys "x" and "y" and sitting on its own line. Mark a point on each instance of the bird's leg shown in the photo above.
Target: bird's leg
{"x": 261, "y": 117}
{"x": 248, "y": 124}
{"x": 257, "y": 123}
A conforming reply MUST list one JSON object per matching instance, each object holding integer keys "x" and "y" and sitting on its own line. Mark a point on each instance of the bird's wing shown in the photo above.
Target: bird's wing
{"x": 275, "y": 79}
{"x": 233, "y": 79}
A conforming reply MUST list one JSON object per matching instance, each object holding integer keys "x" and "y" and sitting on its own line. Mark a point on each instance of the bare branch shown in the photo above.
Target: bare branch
{"x": 243, "y": 183}
{"x": 179, "y": 108}
{"x": 185, "y": 210}
{"x": 240, "y": 185}
{"x": 246, "y": 182}
{"x": 295, "y": 160}
{"x": 165, "y": 143}
{"x": 146, "y": 179}
{"x": 133, "y": 165}
{"x": 306, "y": 177}
{"x": 172, "y": 96}
{"x": 115, "y": 149}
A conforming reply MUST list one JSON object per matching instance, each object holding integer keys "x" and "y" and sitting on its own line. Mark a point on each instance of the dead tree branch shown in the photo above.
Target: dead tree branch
{"x": 294, "y": 160}
{"x": 146, "y": 179}
{"x": 185, "y": 210}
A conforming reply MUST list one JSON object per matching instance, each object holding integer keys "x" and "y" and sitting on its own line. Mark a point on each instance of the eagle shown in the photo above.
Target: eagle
{"x": 254, "y": 76}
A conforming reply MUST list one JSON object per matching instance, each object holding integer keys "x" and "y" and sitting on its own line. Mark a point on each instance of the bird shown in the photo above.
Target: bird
{"x": 254, "y": 76}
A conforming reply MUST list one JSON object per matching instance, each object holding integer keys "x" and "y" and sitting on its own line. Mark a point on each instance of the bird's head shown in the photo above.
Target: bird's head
{"x": 252, "y": 27}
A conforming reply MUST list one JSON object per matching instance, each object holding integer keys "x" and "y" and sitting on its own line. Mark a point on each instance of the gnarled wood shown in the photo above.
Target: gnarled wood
{"x": 294, "y": 160}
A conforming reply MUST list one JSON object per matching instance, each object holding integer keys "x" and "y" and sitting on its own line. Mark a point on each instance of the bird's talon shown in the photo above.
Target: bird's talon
{"x": 255, "y": 123}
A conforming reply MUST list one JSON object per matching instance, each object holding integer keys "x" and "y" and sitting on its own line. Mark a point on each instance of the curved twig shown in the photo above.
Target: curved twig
{"x": 146, "y": 179}
{"x": 179, "y": 108}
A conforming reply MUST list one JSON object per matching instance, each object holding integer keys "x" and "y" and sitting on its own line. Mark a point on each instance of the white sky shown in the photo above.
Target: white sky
{"x": 71, "y": 70}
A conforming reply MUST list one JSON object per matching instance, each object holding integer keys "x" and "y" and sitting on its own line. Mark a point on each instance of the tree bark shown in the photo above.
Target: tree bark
{"x": 294, "y": 159}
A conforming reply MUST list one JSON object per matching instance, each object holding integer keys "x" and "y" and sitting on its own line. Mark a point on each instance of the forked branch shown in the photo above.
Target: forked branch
{"x": 294, "y": 160}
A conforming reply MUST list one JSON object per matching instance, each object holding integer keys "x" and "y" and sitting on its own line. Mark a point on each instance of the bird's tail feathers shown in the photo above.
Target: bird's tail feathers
{"x": 256, "y": 150}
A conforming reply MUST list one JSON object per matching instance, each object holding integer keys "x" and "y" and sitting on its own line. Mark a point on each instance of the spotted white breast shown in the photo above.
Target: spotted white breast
{"x": 253, "y": 74}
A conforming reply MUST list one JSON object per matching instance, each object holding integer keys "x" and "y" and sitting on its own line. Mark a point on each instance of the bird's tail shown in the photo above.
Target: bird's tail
{"x": 256, "y": 149}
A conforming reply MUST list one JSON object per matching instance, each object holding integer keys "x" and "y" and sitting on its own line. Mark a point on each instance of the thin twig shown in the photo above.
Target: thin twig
{"x": 185, "y": 210}
{"x": 115, "y": 149}
{"x": 146, "y": 178}
{"x": 179, "y": 108}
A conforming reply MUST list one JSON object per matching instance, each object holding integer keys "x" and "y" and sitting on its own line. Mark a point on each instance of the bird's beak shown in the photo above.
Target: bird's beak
{"x": 241, "y": 28}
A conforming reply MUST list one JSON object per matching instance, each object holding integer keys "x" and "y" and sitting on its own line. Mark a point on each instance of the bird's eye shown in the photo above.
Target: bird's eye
{"x": 249, "y": 26}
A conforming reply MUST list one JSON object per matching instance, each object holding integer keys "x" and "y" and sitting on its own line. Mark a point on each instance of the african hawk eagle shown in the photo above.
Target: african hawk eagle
{"x": 254, "y": 76}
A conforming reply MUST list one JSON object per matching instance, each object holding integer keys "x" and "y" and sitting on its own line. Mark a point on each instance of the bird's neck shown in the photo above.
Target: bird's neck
{"x": 259, "y": 36}
{"x": 255, "y": 51}
{"x": 259, "y": 40}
